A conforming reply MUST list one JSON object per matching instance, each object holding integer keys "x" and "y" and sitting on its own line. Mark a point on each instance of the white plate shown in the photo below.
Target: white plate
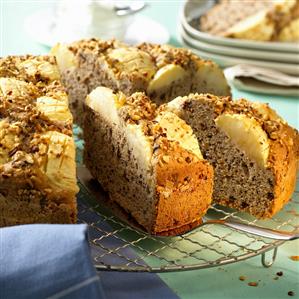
{"x": 194, "y": 9}
{"x": 226, "y": 61}
{"x": 239, "y": 52}
{"x": 41, "y": 27}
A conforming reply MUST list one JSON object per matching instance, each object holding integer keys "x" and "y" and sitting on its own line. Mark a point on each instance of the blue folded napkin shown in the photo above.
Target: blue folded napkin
{"x": 120, "y": 285}
{"x": 47, "y": 261}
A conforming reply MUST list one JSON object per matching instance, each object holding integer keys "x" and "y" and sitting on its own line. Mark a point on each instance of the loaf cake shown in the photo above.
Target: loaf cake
{"x": 163, "y": 72}
{"x": 150, "y": 164}
{"x": 261, "y": 20}
{"x": 253, "y": 151}
{"x": 37, "y": 153}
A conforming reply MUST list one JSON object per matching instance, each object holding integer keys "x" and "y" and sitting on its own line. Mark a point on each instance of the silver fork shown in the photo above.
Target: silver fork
{"x": 256, "y": 230}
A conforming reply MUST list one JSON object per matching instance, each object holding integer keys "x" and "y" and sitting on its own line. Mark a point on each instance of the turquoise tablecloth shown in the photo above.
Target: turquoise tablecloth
{"x": 211, "y": 283}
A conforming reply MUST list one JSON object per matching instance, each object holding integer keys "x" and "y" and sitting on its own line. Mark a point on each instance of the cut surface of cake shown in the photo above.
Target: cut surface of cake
{"x": 150, "y": 164}
{"x": 253, "y": 151}
{"x": 37, "y": 152}
{"x": 162, "y": 71}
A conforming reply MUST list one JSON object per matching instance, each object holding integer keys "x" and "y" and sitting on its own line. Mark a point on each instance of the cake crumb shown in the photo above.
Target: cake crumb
{"x": 295, "y": 258}
{"x": 242, "y": 278}
{"x": 291, "y": 293}
{"x": 280, "y": 273}
{"x": 253, "y": 284}
{"x": 276, "y": 278}
{"x": 293, "y": 211}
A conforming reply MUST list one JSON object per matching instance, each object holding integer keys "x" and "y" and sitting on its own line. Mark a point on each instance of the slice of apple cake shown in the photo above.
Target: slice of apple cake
{"x": 253, "y": 151}
{"x": 148, "y": 162}
{"x": 37, "y": 153}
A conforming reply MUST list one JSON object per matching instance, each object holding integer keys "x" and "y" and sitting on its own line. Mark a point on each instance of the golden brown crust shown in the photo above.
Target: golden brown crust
{"x": 161, "y": 54}
{"x": 283, "y": 159}
{"x": 184, "y": 188}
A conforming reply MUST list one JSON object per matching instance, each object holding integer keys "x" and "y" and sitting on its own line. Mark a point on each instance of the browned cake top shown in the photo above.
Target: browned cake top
{"x": 165, "y": 54}
{"x": 282, "y": 138}
{"x": 94, "y": 45}
{"x": 262, "y": 113}
{"x": 160, "y": 55}
{"x": 137, "y": 107}
{"x": 141, "y": 116}
{"x": 24, "y": 80}
{"x": 35, "y": 69}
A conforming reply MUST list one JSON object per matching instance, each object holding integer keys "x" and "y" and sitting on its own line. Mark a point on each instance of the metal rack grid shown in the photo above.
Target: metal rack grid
{"x": 117, "y": 246}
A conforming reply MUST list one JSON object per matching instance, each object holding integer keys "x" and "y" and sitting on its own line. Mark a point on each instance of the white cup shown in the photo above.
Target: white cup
{"x": 88, "y": 18}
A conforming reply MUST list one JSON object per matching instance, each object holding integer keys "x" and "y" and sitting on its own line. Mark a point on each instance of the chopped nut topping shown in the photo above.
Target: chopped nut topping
{"x": 166, "y": 159}
{"x": 23, "y": 81}
{"x": 180, "y": 160}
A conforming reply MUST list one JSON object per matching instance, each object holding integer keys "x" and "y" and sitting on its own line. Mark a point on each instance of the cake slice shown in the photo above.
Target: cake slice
{"x": 150, "y": 164}
{"x": 253, "y": 151}
{"x": 162, "y": 71}
{"x": 261, "y": 20}
{"x": 37, "y": 153}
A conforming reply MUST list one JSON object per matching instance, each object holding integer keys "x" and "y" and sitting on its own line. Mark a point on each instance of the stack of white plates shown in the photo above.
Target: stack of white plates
{"x": 226, "y": 52}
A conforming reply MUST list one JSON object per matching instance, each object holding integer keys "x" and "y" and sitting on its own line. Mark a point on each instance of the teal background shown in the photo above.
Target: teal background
{"x": 222, "y": 282}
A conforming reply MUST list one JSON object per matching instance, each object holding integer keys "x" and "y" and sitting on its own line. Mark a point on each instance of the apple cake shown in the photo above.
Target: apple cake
{"x": 261, "y": 20}
{"x": 149, "y": 163}
{"x": 162, "y": 71}
{"x": 253, "y": 151}
{"x": 37, "y": 153}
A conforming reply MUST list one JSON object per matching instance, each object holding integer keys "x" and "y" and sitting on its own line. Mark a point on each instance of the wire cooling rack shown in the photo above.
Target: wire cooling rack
{"x": 117, "y": 246}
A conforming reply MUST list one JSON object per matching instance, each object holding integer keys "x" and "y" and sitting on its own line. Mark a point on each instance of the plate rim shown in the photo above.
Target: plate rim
{"x": 239, "y": 52}
{"x": 272, "y": 46}
{"x": 230, "y": 61}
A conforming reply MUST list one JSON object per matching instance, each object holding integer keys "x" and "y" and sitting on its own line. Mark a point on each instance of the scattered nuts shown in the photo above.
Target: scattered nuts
{"x": 253, "y": 284}
{"x": 295, "y": 258}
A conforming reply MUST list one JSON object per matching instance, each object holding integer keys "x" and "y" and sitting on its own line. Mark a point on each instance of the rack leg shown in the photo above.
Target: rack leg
{"x": 269, "y": 263}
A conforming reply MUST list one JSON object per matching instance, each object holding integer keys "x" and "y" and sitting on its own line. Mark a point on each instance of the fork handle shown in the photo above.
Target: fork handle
{"x": 259, "y": 231}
